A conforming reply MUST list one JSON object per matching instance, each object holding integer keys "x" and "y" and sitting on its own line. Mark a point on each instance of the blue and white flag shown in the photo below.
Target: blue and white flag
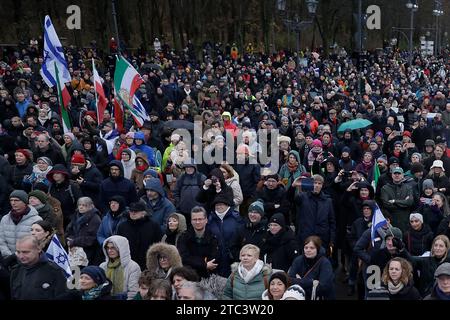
{"x": 138, "y": 112}
{"x": 58, "y": 255}
{"x": 53, "y": 53}
{"x": 378, "y": 220}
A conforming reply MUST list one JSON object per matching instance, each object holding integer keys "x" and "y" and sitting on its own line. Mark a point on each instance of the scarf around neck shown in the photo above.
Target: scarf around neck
{"x": 394, "y": 289}
{"x": 248, "y": 275}
{"x": 441, "y": 295}
{"x": 16, "y": 216}
{"x": 115, "y": 272}
{"x": 93, "y": 293}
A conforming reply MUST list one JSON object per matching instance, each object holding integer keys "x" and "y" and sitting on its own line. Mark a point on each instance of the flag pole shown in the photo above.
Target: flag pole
{"x": 95, "y": 90}
{"x": 113, "y": 3}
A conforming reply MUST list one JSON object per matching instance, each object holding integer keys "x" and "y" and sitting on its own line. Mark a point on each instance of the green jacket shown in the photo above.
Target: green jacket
{"x": 237, "y": 289}
{"x": 403, "y": 197}
{"x": 288, "y": 177}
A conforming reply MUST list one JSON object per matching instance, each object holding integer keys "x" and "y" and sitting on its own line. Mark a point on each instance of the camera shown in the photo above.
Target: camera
{"x": 214, "y": 180}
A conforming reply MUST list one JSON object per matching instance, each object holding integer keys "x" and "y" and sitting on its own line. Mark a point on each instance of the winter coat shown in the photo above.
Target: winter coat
{"x": 110, "y": 222}
{"x": 281, "y": 249}
{"x": 11, "y": 232}
{"x": 444, "y": 227}
{"x": 43, "y": 281}
{"x": 238, "y": 197}
{"x": 18, "y": 173}
{"x": 401, "y": 208}
{"x": 271, "y": 198}
{"x": 90, "y": 187}
{"x": 83, "y": 232}
{"x": 288, "y": 177}
{"x": 445, "y": 160}
{"x": 47, "y": 214}
{"x": 426, "y": 266}
{"x": 186, "y": 190}
{"x": 237, "y": 289}
{"x": 137, "y": 175}
{"x": 132, "y": 271}
{"x": 141, "y": 234}
{"x": 249, "y": 176}
{"x": 318, "y": 268}
{"x": 117, "y": 186}
{"x": 195, "y": 252}
{"x": 207, "y": 197}
{"x": 171, "y": 237}
{"x": 249, "y": 233}
{"x": 166, "y": 250}
{"x": 407, "y": 293}
{"x": 225, "y": 230}
{"x": 162, "y": 207}
{"x": 52, "y": 153}
{"x": 315, "y": 216}
{"x": 130, "y": 165}
{"x": 418, "y": 241}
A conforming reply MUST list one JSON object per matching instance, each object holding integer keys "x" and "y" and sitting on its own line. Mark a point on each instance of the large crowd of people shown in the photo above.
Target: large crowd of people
{"x": 143, "y": 220}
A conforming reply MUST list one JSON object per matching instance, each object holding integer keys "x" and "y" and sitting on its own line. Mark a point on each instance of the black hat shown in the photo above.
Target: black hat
{"x": 138, "y": 206}
{"x": 417, "y": 167}
{"x": 393, "y": 160}
{"x": 222, "y": 199}
{"x": 281, "y": 276}
{"x": 278, "y": 218}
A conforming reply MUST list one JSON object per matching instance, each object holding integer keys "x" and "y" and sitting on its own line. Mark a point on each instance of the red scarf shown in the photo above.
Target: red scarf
{"x": 292, "y": 167}
{"x": 142, "y": 168}
{"x": 16, "y": 216}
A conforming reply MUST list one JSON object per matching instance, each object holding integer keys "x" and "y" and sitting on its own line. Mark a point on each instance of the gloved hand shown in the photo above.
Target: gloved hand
{"x": 398, "y": 243}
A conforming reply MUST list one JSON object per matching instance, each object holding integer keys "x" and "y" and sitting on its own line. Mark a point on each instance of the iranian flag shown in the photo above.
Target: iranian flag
{"x": 376, "y": 176}
{"x": 126, "y": 81}
{"x": 67, "y": 127}
{"x": 100, "y": 94}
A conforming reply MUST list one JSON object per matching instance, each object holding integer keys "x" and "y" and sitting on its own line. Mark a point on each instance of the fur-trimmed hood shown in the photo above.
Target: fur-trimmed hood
{"x": 165, "y": 249}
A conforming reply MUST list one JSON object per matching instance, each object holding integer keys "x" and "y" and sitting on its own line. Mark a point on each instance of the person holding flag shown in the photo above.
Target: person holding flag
{"x": 126, "y": 82}
{"x": 55, "y": 72}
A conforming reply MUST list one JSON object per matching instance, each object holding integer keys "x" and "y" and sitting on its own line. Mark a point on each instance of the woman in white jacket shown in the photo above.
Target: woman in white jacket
{"x": 232, "y": 180}
{"x": 123, "y": 272}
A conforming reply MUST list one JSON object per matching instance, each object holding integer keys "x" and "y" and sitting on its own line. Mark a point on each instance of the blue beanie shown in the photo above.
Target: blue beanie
{"x": 96, "y": 273}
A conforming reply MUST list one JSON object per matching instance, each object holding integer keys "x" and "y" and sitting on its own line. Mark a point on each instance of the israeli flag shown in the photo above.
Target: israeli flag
{"x": 378, "y": 220}
{"x": 53, "y": 53}
{"x": 58, "y": 255}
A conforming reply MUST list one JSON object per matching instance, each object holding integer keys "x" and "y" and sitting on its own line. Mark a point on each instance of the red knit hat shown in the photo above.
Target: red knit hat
{"x": 26, "y": 153}
{"x": 78, "y": 158}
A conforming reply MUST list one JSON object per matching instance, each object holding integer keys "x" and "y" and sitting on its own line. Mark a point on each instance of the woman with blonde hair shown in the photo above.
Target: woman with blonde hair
{"x": 232, "y": 180}
{"x": 426, "y": 266}
{"x": 398, "y": 279}
{"x": 249, "y": 278}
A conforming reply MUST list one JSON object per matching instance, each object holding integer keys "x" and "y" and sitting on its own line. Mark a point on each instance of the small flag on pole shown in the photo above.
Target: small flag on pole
{"x": 376, "y": 176}
{"x": 378, "y": 220}
{"x": 99, "y": 93}
{"x": 58, "y": 255}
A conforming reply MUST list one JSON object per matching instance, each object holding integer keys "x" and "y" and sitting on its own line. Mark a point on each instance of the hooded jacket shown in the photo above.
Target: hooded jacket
{"x": 117, "y": 186}
{"x": 288, "y": 177}
{"x": 144, "y": 148}
{"x": 171, "y": 237}
{"x": 129, "y": 165}
{"x": 186, "y": 190}
{"x": 110, "y": 222}
{"x": 10, "y": 232}
{"x": 280, "y": 249}
{"x": 162, "y": 207}
{"x": 132, "y": 271}
{"x": 166, "y": 250}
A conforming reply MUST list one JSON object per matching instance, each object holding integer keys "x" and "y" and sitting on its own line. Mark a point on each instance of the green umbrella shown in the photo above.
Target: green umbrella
{"x": 354, "y": 124}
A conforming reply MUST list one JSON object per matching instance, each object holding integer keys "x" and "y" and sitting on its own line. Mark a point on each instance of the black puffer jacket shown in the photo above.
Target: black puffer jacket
{"x": 281, "y": 249}
{"x": 249, "y": 234}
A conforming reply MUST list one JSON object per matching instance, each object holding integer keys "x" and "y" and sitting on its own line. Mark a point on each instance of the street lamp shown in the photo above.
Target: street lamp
{"x": 437, "y": 12}
{"x": 295, "y": 24}
{"x": 413, "y": 6}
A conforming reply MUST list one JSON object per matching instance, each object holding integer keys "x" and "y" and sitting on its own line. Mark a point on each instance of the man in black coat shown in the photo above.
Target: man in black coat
{"x": 274, "y": 197}
{"x": 198, "y": 247}
{"x": 253, "y": 231}
{"x": 116, "y": 185}
{"x": 141, "y": 232}
{"x": 35, "y": 277}
{"x": 45, "y": 148}
{"x": 315, "y": 214}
